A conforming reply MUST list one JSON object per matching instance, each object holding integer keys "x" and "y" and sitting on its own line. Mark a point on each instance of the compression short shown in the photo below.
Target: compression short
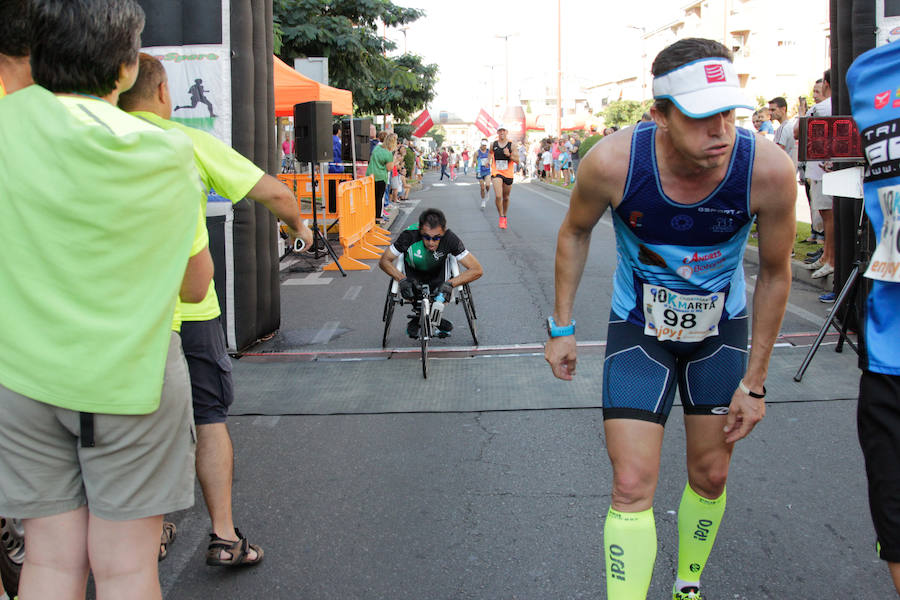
{"x": 640, "y": 372}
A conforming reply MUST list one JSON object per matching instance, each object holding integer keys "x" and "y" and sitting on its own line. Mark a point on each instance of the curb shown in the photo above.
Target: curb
{"x": 751, "y": 254}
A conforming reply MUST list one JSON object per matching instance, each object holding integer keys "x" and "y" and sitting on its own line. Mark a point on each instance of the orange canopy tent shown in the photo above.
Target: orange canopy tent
{"x": 293, "y": 88}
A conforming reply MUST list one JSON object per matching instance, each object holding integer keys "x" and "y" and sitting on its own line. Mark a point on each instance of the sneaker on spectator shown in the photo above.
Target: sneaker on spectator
{"x": 815, "y": 253}
{"x": 823, "y": 271}
{"x": 827, "y": 298}
{"x": 813, "y": 266}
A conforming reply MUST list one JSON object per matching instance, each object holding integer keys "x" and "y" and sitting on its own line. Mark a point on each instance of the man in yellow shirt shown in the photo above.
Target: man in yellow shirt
{"x": 231, "y": 176}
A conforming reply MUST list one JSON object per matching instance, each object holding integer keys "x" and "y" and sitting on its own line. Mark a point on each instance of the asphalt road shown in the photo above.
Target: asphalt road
{"x": 503, "y": 505}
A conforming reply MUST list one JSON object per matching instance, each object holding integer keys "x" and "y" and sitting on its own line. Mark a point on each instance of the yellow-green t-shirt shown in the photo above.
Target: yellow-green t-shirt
{"x": 86, "y": 321}
{"x": 201, "y": 241}
{"x": 222, "y": 169}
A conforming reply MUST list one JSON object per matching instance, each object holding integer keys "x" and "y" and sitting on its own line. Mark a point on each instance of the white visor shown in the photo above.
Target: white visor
{"x": 702, "y": 88}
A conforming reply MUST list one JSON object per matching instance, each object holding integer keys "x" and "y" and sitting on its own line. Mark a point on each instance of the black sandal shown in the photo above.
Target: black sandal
{"x": 165, "y": 538}
{"x": 238, "y": 552}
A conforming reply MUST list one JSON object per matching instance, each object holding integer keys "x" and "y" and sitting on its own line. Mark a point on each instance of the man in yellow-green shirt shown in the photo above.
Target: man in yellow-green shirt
{"x": 234, "y": 177}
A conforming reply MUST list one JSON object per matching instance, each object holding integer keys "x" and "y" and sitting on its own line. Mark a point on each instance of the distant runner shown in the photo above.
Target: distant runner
{"x": 482, "y": 163}
{"x": 503, "y": 161}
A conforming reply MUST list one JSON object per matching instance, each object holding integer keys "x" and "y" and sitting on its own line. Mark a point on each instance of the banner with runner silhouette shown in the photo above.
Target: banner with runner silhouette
{"x": 200, "y": 84}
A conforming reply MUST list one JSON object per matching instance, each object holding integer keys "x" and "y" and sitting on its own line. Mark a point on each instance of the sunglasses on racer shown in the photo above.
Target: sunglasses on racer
{"x": 431, "y": 238}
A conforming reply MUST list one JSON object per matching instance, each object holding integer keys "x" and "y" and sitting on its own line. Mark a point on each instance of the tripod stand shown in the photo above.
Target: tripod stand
{"x": 318, "y": 237}
{"x": 849, "y": 295}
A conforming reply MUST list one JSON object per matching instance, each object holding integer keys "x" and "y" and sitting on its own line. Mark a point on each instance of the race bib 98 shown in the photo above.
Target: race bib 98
{"x": 681, "y": 317}
{"x": 885, "y": 263}
{"x": 502, "y": 164}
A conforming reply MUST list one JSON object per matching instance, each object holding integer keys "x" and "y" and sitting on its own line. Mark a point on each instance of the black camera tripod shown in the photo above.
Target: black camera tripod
{"x": 847, "y": 300}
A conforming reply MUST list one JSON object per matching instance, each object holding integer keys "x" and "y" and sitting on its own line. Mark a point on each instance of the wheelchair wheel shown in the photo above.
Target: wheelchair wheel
{"x": 469, "y": 309}
{"x": 471, "y": 300}
{"x": 387, "y": 301}
{"x": 424, "y": 335}
{"x": 389, "y": 304}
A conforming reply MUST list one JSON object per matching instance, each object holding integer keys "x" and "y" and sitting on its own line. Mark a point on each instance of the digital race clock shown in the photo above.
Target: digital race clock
{"x": 834, "y": 139}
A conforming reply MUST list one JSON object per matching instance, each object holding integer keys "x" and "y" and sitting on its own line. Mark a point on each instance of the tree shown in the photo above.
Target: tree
{"x": 438, "y": 134}
{"x": 346, "y": 31}
{"x": 625, "y": 112}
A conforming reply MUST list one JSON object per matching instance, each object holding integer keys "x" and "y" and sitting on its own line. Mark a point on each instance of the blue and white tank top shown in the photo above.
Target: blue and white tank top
{"x": 484, "y": 162}
{"x": 679, "y": 267}
{"x": 875, "y": 103}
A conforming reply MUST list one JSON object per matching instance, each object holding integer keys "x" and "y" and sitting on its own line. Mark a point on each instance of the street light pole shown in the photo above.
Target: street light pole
{"x": 505, "y": 39}
{"x": 558, "y": 67}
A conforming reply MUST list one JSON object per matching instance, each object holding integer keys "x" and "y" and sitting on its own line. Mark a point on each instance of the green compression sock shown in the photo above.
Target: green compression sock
{"x": 629, "y": 543}
{"x": 698, "y": 524}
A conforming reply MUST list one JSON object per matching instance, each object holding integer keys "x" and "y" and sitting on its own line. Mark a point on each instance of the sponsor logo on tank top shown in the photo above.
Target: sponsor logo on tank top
{"x": 634, "y": 219}
{"x": 682, "y": 222}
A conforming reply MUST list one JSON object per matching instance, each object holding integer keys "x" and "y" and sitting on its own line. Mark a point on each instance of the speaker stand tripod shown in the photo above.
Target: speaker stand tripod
{"x": 848, "y": 295}
{"x": 318, "y": 237}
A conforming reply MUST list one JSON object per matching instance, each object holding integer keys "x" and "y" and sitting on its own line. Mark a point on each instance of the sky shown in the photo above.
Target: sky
{"x": 459, "y": 36}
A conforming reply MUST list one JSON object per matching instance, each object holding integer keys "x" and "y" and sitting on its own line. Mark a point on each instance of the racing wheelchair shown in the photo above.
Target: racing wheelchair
{"x": 460, "y": 295}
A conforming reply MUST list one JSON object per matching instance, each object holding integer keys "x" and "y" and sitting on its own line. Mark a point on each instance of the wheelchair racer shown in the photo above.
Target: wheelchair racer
{"x": 425, "y": 249}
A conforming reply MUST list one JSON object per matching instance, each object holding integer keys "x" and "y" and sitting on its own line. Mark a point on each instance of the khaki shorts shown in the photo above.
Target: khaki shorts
{"x": 818, "y": 200}
{"x": 140, "y": 466}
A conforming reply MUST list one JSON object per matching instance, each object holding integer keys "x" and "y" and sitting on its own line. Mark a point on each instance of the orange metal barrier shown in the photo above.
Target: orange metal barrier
{"x": 356, "y": 225}
{"x": 301, "y": 184}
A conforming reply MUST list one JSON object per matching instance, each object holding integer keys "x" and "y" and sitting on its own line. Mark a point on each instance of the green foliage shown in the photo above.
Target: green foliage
{"x": 438, "y": 134}
{"x": 588, "y": 143}
{"x": 622, "y": 113}
{"x": 403, "y": 130}
{"x": 347, "y": 32}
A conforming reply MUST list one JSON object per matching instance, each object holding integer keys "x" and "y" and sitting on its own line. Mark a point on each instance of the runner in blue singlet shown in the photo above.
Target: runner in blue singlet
{"x": 684, "y": 191}
{"x": 481, "y": 160}
{"x": 870, "y": 80}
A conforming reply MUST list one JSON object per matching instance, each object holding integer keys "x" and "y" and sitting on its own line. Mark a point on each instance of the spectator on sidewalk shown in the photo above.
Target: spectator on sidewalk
{"x": 822, "y": 202}
{"x": 94, "y": 396}
{"x": 234, "y": 177}
{"x": 444, "y": 160}
{"x": 381, "y": 163}
{"x": 337, "y": 150}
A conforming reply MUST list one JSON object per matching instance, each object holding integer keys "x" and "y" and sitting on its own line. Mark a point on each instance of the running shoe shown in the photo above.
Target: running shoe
{"x": 827, "y": 298}
{"x": 823, "y": 271}
{"x": 687, "y": 593}
{"x": 814, "y": 266}
{"x": 502, "y": 222}
{"x": 483, "y": 203}
{"x": 815, "y": 253}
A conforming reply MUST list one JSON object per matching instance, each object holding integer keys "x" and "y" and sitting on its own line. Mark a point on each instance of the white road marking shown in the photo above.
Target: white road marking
{"x": 311, "y": 279}
{"x": 353, "y": 292}
{"x": 438, "y": 184}
{"x": 465, "y": 183}
{"x": 325, "y": 334}
{"x": 266, "y": 421}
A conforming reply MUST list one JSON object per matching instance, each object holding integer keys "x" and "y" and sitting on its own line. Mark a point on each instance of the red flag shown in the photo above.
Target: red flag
{"x": 486, "y": 123}
{"x": 422, "y": 124}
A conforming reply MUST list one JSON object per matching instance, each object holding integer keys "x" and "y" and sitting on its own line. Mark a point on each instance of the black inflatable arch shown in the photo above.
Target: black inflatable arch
{"x": 243, "y": 242}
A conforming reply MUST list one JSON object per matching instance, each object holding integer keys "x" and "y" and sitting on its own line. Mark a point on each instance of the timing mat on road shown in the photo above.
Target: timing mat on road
{"x": 386, "y": 383}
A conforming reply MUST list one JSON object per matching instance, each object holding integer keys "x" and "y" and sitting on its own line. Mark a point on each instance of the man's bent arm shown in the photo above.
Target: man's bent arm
{"x": 587, "y": 204}
{"x": 773, "y": 202}
{"x": 197, "y": 275}
{"x": 280, "y": 201}
{"x": 473, "y": 271}
{"x": 776, "y": 223}
{"x": 386, "y": 263}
